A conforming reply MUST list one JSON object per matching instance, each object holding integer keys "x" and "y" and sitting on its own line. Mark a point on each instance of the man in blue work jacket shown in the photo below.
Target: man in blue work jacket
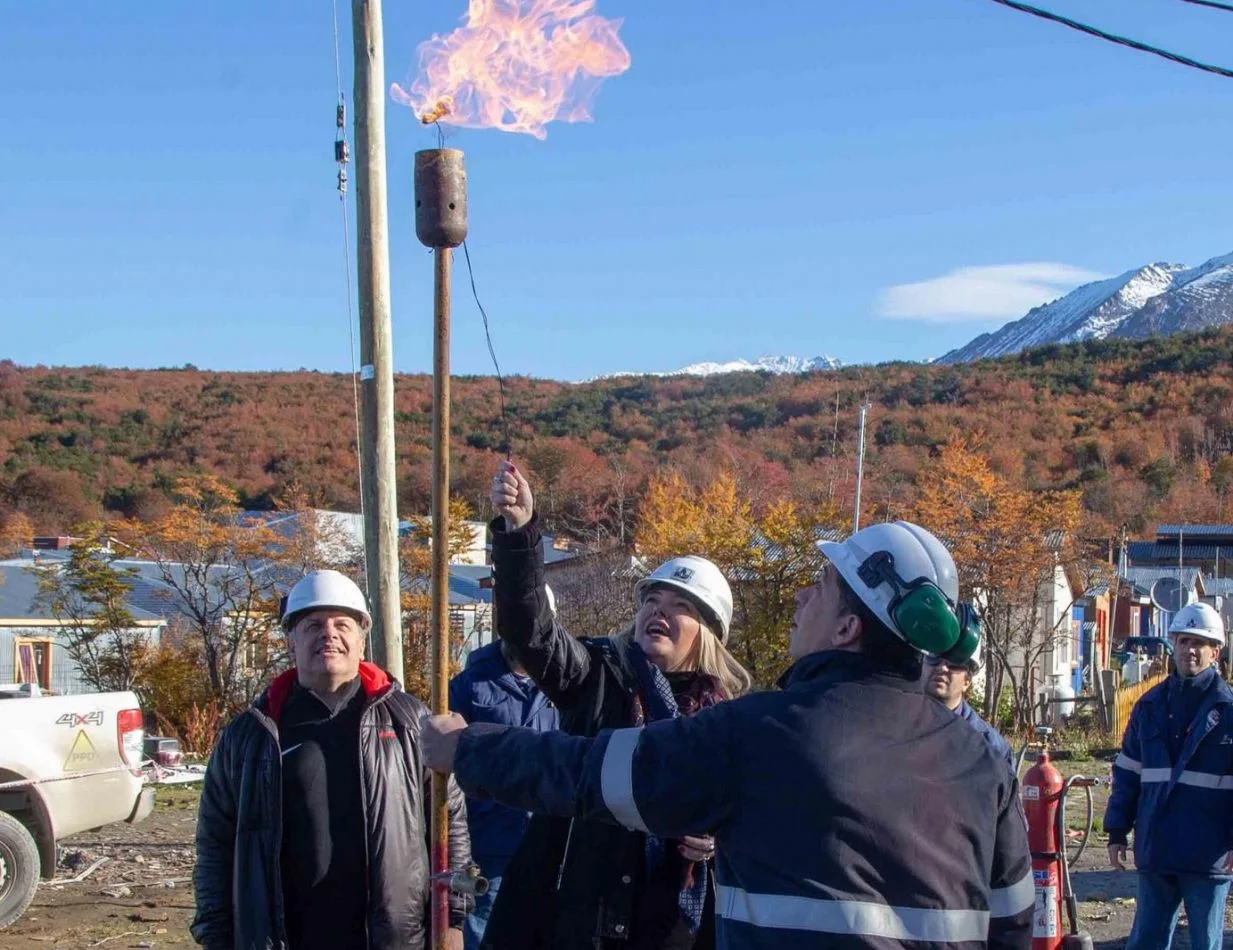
{"x": 849, "y": 809}
{"x": 495, "y": 688}
{"x": 948, "y": 682}
{"x": 1173, "y": 785}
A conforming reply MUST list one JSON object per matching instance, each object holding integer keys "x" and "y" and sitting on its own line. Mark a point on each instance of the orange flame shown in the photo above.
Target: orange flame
{"x": 516, "y": 66}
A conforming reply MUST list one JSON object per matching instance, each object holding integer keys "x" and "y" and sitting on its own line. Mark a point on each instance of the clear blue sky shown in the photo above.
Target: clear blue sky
{"x": 755, "y": 184}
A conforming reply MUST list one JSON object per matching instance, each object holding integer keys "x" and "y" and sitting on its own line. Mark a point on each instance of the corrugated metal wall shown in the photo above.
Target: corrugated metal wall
{"x": 65, "y": 677}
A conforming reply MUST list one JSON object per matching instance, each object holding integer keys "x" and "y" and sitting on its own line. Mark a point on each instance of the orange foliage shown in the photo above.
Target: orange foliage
{"x": 1007, "y": 543}
{"x": 415, "y": 563}
{"x": 768, "y": 555}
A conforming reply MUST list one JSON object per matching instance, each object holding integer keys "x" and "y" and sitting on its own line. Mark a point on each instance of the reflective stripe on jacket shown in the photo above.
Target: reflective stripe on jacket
{"x": 849, "y": 809}
{"x": 1181, "y": 812}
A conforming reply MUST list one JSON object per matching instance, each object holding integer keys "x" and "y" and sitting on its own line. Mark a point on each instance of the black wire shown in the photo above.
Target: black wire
{"x": 1114, "y": 38}
{"x": 505, "y": 448}
{"x": 1214, "y": 4}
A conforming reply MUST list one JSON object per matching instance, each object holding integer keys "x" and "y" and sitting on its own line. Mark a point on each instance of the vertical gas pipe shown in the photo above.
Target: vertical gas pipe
{"x": 441, "y": 224}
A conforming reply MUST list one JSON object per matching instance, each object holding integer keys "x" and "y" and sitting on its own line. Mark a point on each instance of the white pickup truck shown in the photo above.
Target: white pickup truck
{"x": 67, "y": 764}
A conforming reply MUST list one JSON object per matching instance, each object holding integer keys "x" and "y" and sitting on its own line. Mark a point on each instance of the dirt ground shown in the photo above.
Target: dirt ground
{"x": 1106, "y": 898}
{"x": 142, "y": 897}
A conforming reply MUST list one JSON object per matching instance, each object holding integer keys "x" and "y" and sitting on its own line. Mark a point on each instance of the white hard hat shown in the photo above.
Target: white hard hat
{"x": 324, "y": 589}
{"x": 701, "y": 581}
{"x": 1198, "y": 620}
{"x": 917, "y": 556}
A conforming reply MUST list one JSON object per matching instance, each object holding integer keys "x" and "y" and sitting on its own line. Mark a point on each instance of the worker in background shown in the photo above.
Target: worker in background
{"x": 311, "y": 833}
{"x": 592, "y": 885}
{"x": 1173, "y": 786}
{"x": 494, "y": 687}
{"x": 848, "y": 808}
{"x": 949, "y": 683}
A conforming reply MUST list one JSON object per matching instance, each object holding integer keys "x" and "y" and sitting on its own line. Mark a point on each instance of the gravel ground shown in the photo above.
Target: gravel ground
{"x": 140, "y": 897}
{"x": 1106, "y": 897}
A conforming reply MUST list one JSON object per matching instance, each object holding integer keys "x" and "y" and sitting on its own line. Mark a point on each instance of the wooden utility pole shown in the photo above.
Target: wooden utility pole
{"x": 376, "y": 345}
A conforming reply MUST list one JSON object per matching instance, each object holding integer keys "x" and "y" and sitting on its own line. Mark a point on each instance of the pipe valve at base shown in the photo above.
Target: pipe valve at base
{"x": 468, "y": 881}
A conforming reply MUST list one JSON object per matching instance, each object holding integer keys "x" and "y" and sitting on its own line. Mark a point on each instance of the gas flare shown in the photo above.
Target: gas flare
{"x": 516, "y": 65}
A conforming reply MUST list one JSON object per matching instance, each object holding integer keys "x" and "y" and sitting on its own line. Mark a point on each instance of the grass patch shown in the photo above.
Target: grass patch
{"x": 178, "y": 797}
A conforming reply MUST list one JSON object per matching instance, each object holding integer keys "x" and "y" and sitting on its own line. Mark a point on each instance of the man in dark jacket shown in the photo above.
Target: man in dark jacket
{"x": 495, "y": 688}
{"x": 311, "y": 833}
{"x": 948, "y": 683}
{"x": 1173, "y": 785}
{"x": 848, "y": 809}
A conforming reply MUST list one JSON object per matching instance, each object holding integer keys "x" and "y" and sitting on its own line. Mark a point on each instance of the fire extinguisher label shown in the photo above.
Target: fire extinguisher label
{"x": 1031, "y": 791}
{"x": 1045, "y": 918}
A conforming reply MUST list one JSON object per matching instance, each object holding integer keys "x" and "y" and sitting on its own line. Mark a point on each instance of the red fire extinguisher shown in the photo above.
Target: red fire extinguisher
{"x": 1044, "y": 792}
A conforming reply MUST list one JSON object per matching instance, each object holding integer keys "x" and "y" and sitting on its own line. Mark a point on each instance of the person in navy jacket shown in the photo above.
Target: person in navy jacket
{"x": 495, "y": 688}
{"x": 849, "y": 809}
{"x": 1173, "y": 786}
{"x": 948, "y": 683}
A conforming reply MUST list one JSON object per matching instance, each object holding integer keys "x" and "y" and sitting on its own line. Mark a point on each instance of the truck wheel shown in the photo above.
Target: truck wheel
{"x": 19, "y": 869}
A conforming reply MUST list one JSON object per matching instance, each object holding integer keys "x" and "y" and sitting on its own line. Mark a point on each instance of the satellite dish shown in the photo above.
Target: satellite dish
{"x": 1167, "y": 594}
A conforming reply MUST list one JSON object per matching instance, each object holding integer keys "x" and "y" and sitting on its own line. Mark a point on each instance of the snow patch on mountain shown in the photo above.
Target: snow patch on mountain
{"x": 767, "y": 364}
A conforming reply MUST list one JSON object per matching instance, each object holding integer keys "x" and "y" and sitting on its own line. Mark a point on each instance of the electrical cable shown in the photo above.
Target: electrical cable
{"x": 507, "y": 446}
{"x": 341, "y": 156}
{"x": 1119, "y": 40}
{"x": 1214, "y": 4}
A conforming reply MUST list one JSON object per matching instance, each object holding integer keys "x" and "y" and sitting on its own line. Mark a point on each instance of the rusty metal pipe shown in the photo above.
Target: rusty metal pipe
{"x": 440, "y": 223}
{"x": 443, "y": 259}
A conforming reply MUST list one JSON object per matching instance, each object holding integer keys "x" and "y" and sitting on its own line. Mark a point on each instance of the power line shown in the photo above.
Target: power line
{"x": 507, "y": 448}
{"x": 1120, "y": 40}
{"x": 1214, "y": 4}
{"x": 342, "y": 152}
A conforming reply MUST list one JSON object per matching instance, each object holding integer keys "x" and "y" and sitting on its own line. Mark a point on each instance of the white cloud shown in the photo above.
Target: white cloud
{"x": 982, "y": 293}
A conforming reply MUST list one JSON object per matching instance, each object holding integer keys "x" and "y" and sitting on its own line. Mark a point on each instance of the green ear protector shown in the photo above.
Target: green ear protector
{"x": 923, "y": 614}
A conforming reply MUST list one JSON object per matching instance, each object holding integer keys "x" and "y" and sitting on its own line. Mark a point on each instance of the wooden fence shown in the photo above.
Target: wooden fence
{"x": 1124, "y": 700}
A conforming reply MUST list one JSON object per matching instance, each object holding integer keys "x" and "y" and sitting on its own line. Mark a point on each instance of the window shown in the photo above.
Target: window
{"x": 33, "y": 664}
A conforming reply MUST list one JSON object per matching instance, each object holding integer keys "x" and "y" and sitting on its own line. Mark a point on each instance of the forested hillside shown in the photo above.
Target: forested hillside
{"x": 1143, "y": 428}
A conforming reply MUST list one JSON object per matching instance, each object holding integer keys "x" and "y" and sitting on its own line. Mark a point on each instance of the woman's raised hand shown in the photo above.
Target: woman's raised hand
{"x": 511, "y": 496}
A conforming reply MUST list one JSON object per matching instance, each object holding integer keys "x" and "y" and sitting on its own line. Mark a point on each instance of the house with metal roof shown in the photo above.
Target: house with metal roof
{"x": 1208, "y": 547}
{"x": 32, "y": 644}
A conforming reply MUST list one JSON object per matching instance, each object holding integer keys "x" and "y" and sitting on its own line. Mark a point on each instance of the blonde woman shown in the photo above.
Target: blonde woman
{"x": 577, "y": 885}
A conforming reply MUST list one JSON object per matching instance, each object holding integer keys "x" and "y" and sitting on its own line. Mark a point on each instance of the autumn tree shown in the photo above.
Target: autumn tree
{"x": 51, "y": 499}
{"x": 1008, "y": 544}
{"x": 415, "y": 567}
{"x": 768, "y": 557}
{"x": 181, "y": 699}
{"x": 88, "y": 595}
{"x": 312, "y": 539}
{"x": 218, "y": 568}
{"x": 16, "y": 533}
{"x": 595, "y": 591}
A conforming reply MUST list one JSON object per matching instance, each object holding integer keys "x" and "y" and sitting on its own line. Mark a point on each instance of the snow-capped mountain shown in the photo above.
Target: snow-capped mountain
{"x": 767, "y": 364}
{"x": 1155, "y": 300}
